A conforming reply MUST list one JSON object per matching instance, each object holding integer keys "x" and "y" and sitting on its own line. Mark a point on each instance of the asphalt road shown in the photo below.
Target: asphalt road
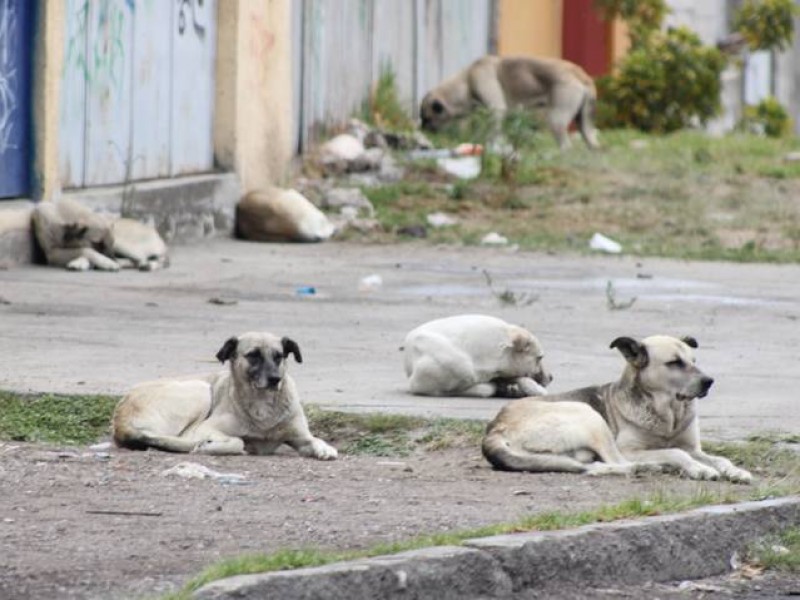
{"x": 103, "y": 332}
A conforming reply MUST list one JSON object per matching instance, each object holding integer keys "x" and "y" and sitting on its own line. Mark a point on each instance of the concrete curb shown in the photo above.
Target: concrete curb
{"x": 689, "y": 545}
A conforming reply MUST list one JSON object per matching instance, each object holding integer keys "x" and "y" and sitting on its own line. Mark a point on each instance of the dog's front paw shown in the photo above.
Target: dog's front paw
{"x": 79, "y": 264}
{"x": 737, "y": 475}
{"x": 322, "y": 450}
{"x": 702, "y": 473}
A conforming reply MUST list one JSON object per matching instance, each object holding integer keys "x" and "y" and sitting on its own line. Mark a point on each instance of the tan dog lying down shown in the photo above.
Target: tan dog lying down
{"x": 648, "y": 418}
{"x": 474, "y": 355}
{"x": 500, "y": 84}
{"x": 252, "y": 406}
{"x": 74, "y": 237}
{"x": 277, "y": 215}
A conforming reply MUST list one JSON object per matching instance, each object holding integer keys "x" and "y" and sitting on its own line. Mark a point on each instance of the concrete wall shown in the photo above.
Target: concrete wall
{"x": 252, "y": 129}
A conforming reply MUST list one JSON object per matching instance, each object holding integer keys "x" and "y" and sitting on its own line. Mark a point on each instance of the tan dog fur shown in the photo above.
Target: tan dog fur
{"x": 474, "y": 355}
{"x": 277, "y": 215}
{"x": 647, "y": 418}
{"x": 73, "y": 236}
{"x": 566, "y": 91}
{"x": 252, "y": 406}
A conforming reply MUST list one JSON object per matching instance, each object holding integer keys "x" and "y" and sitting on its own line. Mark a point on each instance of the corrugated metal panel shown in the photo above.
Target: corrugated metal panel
{"x": 137, "y": 91}
{"x": 393, "y": 44}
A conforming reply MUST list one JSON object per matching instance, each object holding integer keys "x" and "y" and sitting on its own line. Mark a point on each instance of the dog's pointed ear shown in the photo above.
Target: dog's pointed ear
{"x": 291, "y": 347}
{"x": 520, "y": 340}
{"x": 228, "y": 350}
{"x": 690, "y": 341}
{"x": 634, "y": 352}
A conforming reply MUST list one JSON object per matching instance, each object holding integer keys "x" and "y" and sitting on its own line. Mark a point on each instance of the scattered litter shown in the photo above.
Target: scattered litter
{"x": 5, "y": 301}
{"x": 611, "y": 298}
{"x": 439, "y": 219}
{"x": 190, "y": 470}
{"x": 779, "y": 550}
{"x": 644, "y": 276}
{"x": 343, "y": 147}
{"x": 306, "y": 290}
{"x": 124, "y": 513}
{"x": 468, "y": 150}
{"x": 430, "y": 153}
{"x": 735, "y": 561}
{"x": 520, "y": 493}
{"x": 604, "y": 244}
{"x": 414, "y": 231}
{"x": 494, "y": 239}
{"x": 792, "y": 157}
{"x": 370, "y": 283}
{"x": 102, "y": 455}
{"x": 693, "y": 586}
{"x": 8, "y": 520}
{"x": 222, "y": 301}
{"x": 101, "y": 446}
{"x": 463, "y": 167}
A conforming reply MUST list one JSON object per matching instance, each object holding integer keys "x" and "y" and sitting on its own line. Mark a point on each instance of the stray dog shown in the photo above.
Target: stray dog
{"x": 646, "y": 419}
{"x": 500, "y": 84}
{"x": 74, "y": 237}
{"x": 474, "y": 355}
{"x": 277, "y": 215}
{"x": 251, "y": 407}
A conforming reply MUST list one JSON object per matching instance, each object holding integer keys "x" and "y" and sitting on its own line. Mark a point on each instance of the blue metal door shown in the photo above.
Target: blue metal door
{"x": 15, "y": 96}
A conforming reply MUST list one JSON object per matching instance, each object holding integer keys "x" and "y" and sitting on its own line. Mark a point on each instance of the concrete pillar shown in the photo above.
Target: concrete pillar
{"x": 48, "y": 64}
{"x": 253, "y": 123}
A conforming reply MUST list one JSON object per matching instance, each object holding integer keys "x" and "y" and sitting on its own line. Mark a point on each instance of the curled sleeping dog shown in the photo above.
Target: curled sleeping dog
{"x": 251, "y": 407}
{"x": 565, "y": 90}
{"x": 647, "y": 418}
{"x": 474, "y": 355}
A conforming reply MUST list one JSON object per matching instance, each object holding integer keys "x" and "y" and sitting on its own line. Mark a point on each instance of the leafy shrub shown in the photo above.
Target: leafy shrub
{"x": 643, "y": 17}
{"x": 768, "y": 117}
{"x": 664, "y": 84}
{"x": 766, "y": 24}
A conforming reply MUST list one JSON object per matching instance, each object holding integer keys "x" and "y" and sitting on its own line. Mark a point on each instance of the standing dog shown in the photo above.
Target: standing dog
{"x": 251, "y": 407}
{"x": 648, "y": 417}
{"x": 500, "y": 84}
{"x": 474, "y": 355}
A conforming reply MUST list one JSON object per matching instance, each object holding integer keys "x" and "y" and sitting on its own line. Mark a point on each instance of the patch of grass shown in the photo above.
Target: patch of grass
{"x": 53, "y": 418}
{"x": 780, "y": 553}
{"x": 657, "y": 504}
{"x": 384, "y": 107}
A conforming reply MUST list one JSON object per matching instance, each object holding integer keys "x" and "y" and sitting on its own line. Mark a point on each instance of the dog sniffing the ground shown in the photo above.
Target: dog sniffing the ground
{"x": 647, "y": 418}
{"x": 251, "y": 407}
{"x": 474, "y": 355}
{"x": 565, "y": 90}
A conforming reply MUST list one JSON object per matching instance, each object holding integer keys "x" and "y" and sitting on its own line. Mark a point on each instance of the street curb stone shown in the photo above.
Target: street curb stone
{"x": 691, "y": 545}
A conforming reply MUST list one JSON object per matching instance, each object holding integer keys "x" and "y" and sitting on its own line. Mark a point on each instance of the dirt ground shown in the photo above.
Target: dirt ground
{"x": 57, "y": 545}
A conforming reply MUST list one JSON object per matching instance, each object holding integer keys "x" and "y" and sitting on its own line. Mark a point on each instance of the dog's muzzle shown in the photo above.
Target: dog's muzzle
{"x": 705, "y": 385}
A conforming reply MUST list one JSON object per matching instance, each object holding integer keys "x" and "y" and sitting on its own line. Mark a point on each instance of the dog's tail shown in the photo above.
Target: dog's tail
{"x": 505, "y": 457}
{"x": 585, "y": 119}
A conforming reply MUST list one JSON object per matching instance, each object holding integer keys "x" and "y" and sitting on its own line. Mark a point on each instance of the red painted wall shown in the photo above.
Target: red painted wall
{"x": 586, "y": 38}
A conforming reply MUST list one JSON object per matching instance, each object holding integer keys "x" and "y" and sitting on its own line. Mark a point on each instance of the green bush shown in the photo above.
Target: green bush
{"x": 383, "y": 108}
{"x": 766, "y": 24}
{"x": 664, "y": 84}
{"x": 768, "y": 117}
{"x": 643, "y": 17}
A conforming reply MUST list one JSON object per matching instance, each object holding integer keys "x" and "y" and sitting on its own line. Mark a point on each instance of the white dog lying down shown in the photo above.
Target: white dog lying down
{"x": 251, "y": 407}
{"x": 474, "y": 355}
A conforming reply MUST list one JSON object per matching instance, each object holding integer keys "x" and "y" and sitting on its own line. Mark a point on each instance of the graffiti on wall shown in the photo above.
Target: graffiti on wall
{"x": 100, "y": 59}
{"x": 8, "y": 74}
{"x": 194, "y": 7}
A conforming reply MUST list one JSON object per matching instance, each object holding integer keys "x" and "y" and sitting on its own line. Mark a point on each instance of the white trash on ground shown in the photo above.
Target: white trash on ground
{"x": 602, "y": 243}
{"x": 494, "y": 239}
{"x": 440, "y": 219}
{"x": 370, "y": 283}
{"x": 190, "y": 470}
{"x": 342, "y": 147}
{"x": 463, "y": 167}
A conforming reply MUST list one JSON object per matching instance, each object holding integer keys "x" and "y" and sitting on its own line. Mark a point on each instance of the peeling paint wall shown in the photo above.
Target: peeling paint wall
{"x": 137, "y": 91}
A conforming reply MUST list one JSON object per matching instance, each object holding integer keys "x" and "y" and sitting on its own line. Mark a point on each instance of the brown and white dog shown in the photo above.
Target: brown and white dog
{"x": 251, "y": 407}
{"x": 647, "y": 418}
{"x": 565, "y": 90}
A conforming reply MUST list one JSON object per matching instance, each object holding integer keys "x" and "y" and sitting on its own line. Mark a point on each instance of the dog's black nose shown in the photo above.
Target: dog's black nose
{"x": 273, "y": 381}
{"x": 706, "y": 382}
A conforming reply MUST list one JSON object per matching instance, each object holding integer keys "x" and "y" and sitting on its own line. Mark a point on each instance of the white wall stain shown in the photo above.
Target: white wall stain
{"x": 8, "y": 75}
